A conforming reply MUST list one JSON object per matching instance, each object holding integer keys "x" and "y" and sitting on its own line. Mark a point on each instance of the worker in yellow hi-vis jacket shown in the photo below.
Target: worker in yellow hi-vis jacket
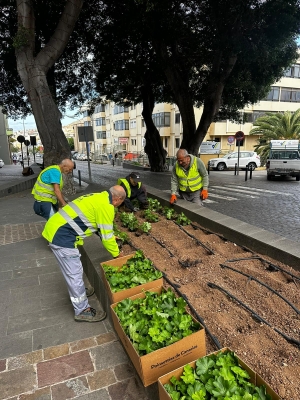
{"x": 65, "y": 230}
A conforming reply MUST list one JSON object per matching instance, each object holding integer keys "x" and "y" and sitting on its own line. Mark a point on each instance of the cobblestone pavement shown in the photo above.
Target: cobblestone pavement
{"x": 271, "y": 205}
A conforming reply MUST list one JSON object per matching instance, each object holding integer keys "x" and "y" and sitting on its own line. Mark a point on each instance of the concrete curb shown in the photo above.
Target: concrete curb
{"x": 20, "y": 186}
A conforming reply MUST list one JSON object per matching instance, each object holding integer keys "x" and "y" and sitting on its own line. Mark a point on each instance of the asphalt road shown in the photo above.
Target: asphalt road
{"x": 271, "y": 205}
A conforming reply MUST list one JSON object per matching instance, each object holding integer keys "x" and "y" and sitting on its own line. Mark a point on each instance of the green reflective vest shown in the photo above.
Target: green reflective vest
{"x": 193, "y": 180}
{"x": 127, "y": 186}
{"x": 45, "y": 192}
{"x": 88, "y": 214}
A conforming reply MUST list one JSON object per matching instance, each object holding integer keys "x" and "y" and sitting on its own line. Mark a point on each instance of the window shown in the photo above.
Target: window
{"x": 273, "y": 94}
{"x": 100, "y": 135}
{"x": 121, "y": 125}
{"x": 99, "y": 108}
{"x": 133, "y": 142}
{"x": 161, "y": 119}
{"x": 290, "y": 95}
{"x": 87, "y": 123}
{"x": 85, "y": 113}
{"x": 293, "y": 71}
{"x": 143, "y": 123}
{"x": 120, "y": 109}
{"x": 100, "y": 121}
{"x": 177, "y": 118}
{"x": 177, "y": 143}
{"x": 107, "y": 135}
{"x": 133, "y": 124}
{"x": 166, "y": 142}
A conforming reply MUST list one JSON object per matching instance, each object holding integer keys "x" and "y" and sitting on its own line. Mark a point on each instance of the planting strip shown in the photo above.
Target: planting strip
{"x": 250, "y": 277}
{"x": 193, "y": 237}
{"x": 253, "y": 313}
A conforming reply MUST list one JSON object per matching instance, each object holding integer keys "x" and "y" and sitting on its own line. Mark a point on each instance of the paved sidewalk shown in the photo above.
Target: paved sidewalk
{"x": 44, "y": 353}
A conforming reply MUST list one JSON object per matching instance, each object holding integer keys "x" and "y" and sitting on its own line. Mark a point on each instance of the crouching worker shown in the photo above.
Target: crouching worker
{"x": 65, "y": 230}
{"x": 134, "y": 190}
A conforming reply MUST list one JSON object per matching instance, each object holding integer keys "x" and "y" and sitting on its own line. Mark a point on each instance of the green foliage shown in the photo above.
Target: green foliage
{"x": 130, "y": 221}
{"x": 154, "y": 205}
{"x": 123, "y": 236}
{"x": 71, "y": 143}
{"x": 150, "y": 216}
{"x": 182, "y": 219}
{"x": 217, "y": 376}
{"x": 21, "y": 38}
{"x": 145, "y": 227}
{"x": 168, "y": 212}
{"x": 137, "y": 271}
{"x": 155, "y": 321}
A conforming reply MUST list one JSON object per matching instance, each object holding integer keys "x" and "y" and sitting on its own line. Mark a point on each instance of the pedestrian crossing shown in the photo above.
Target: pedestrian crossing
{"x": 236, "y": 192}
{"x": 218, "y": 194}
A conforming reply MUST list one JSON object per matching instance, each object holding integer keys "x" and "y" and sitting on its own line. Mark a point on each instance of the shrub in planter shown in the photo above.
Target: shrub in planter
{"x": 155, "y": 321}
{"x": 130, "y": 221}
{"x": 150, "y": 216}
{"x": 136, "y": 271}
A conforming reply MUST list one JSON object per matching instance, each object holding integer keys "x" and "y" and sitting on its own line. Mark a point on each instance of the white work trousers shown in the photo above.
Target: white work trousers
{"x": 71, "y": 268}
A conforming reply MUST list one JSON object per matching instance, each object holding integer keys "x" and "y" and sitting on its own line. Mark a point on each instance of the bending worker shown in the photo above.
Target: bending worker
{"x": 189, "y": 178}
{"x": 65, "y": 230}
{"x": 134, "y": 190}
{"x": 47, "y": 189}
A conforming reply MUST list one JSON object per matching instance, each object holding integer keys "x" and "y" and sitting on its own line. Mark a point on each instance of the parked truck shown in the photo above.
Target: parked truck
{"x": 284, "y": 159}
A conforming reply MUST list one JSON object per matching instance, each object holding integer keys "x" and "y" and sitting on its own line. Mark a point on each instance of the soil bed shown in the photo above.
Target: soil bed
{"x": 259, "y": 345}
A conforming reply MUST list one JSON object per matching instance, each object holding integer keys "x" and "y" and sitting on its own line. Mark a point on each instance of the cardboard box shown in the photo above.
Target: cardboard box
{"x": 151, "y": 366}
{"x": 254, "y": 378}
{"x": 124, "y": 294}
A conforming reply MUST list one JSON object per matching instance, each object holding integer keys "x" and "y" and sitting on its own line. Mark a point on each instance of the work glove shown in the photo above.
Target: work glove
{"x": 204, "y": 194}
{"x": 173, "y": 199}
{"x": 136, "y": 209}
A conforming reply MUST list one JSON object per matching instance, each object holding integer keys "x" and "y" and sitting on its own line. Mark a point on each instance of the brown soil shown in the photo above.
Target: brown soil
{"x": 260, "y": 346}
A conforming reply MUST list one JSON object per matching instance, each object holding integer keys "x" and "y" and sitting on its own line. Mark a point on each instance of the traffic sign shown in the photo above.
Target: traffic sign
{"x": 230, "y": 139}
{"x": 239, "y": 135}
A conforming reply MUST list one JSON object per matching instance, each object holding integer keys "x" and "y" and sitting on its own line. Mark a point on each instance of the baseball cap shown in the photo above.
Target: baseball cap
{"x": 133, "y": 175}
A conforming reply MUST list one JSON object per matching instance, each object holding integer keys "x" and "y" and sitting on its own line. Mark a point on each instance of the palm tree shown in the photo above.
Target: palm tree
{"x": 275, "y": 126}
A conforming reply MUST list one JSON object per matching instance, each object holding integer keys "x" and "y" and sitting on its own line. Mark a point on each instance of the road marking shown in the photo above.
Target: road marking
{"x": 242, "y": 190}
{"x": 261, "y": 190}
{"x": 221, "y": 197}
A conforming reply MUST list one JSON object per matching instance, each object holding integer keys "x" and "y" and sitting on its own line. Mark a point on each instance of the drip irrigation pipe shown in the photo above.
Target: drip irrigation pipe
{"x": 220, "y": 236}
{"x": 276, "y": 268}
{"x": 161, "y": 244}
{"x": 250, "y": 277}
{"x": 253, "y": 313}
{"x": 200, "y": 319}
{"x": 197, "y": 241}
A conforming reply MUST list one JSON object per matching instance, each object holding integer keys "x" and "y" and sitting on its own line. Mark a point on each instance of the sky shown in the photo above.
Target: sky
{"x": 29, "y": 123}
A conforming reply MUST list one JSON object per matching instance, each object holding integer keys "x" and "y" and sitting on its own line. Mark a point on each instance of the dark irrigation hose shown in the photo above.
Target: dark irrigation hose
{"x": 253, "y": 313}
{"x": 220, "y": 236}
{"x": 162, "y": 245}
{"x": 210, "y": 251}
{"x": 244, "y": 258}
{"x": 200, "y": 319}
{"x": 263, "y": 284}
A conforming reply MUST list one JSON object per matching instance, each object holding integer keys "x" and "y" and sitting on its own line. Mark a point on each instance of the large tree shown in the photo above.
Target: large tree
{"x": 216, "y": 54}
{"x": 42, "y": 70}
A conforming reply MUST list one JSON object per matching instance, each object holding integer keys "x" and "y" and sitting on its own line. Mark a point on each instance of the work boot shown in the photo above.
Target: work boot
{"x": 89, "y": 291}
{"x": 90, "y": 315}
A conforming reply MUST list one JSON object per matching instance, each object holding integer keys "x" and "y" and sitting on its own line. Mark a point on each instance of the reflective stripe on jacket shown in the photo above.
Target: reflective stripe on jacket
{"x": 192, "y": 180}
{"x": 80, "y": 218}
{"x": 127, "y": 186}
{"x": 43, "y": 191}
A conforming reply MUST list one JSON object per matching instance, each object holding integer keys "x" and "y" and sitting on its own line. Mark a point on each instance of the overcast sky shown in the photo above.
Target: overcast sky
{"x": 29, "y": 122}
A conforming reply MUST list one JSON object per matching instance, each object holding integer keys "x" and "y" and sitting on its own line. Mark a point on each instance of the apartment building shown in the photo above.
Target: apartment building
{"x": 118, "y": 128}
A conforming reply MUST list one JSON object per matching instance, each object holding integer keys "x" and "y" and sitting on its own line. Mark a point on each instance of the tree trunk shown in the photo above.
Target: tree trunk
{"x": 154, "y": 148}
{"x": 33, "y": 69}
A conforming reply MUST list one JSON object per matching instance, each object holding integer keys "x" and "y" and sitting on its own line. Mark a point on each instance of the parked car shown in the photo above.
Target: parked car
{"x": 250, "y": 158}
{"x": 1, "y": 163}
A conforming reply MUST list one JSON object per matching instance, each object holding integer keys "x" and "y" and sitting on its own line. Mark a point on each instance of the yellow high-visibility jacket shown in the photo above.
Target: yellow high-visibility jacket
{"x": 80, "y": 218}
{"x": 127, "y": 186}
{"x": 191, "y": 181}
{"x": 44, "y": 192}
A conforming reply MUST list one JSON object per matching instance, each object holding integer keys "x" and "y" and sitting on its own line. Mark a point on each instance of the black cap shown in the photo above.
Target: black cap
{"x": 133, "y": 175}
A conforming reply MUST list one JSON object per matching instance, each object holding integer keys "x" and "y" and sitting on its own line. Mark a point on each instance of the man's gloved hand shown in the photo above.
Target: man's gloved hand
{"x": 173, "y": 199}
{"x": 204, "y": 194}
{"x": 136, "y": 209}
